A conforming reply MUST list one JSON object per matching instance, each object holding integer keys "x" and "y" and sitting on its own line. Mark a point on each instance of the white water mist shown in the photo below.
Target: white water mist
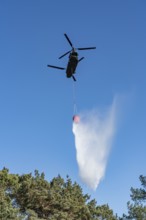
{"x": 93, "y": 138}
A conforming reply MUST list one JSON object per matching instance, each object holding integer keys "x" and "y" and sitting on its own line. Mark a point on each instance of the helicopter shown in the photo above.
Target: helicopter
{"x": 73, "y": 59}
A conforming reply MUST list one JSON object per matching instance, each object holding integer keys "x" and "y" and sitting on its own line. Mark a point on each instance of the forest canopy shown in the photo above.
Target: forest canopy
{"x": 32, "y": 197}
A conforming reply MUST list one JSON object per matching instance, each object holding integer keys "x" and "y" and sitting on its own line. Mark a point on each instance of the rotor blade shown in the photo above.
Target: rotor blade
{"x": 74, "y": 78}
{"x": 68, "y": 40}
{"x": 80, "y": 59}
{"x": 56, "y": 67}
{"x": 65, "y": 54}
{"x": 86, "y": 48}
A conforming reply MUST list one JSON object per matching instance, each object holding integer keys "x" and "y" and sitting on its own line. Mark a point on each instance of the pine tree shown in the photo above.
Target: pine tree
{"x": 34, "y": 198}
{"x": 137, "y": 209}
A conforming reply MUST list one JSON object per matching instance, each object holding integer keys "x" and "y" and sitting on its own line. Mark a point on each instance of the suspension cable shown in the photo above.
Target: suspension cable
{"x": 74, "y": 100}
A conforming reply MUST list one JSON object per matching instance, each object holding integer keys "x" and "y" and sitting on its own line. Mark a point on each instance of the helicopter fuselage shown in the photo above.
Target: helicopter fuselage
{"x": 72, "y": 64}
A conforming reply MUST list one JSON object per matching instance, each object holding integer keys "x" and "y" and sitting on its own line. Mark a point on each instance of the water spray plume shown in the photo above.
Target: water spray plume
{"x": 93, "y": 139}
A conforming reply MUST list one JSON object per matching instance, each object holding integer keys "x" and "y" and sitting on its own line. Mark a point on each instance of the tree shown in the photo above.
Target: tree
{"x": 31, "y": 197}
{"x": 100, "y": 212}
{"x": 7, "y": 183}
{"x": 137, "y": 209}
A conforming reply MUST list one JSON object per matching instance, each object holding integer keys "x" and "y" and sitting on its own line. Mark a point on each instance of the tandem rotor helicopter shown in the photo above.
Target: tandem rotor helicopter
{"x": 73, "y": 59}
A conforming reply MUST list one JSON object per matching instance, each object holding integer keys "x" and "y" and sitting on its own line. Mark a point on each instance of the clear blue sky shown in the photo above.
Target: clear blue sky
{"x": 36, "y": 103}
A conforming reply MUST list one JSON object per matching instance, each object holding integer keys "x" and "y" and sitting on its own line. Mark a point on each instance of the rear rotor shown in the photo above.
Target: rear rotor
{"x": 73, "y": 49}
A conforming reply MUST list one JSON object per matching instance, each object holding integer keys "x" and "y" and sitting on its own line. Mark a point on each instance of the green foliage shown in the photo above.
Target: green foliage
{"x": 100, "y": 212}
{"x": 7, "y": 184}
{"x": 137, "y": 209}
{"x": 104, "y": 212}
{"x": 34, "y": 198}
